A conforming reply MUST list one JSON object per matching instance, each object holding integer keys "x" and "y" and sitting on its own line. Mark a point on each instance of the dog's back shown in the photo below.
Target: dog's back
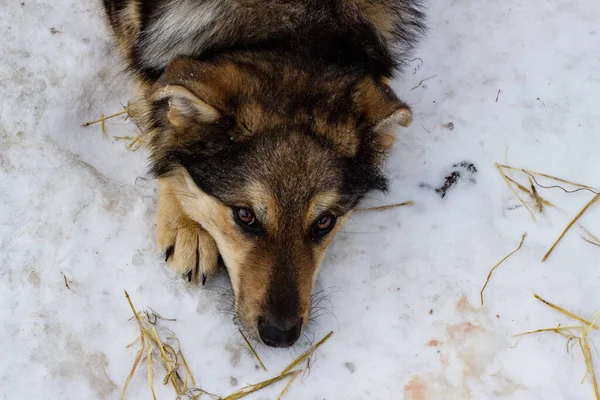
{"x": 375, "y": 34}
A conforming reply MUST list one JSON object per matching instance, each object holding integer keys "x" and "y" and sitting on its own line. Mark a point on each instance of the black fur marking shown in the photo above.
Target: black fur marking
{"x": 168, "y": 253}
{"x": 334, "y": 31}
{"x": 224, "y": 173}
{"x": 147, "y": 10}
{"x": 113, "y": 7}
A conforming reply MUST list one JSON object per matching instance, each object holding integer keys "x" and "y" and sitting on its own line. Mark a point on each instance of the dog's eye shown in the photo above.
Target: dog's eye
{"x": 247, "y": 221}
{"x": 244, "y": 216}
{"x": 322, "y": 226}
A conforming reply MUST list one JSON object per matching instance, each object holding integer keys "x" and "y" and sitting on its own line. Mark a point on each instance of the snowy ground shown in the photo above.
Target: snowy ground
{"x": 404, "y": 284}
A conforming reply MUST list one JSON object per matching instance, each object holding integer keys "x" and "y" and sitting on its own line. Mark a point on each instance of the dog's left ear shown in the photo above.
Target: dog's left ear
{"x": 380, "y": 111}
{"x": 196, "y": 92}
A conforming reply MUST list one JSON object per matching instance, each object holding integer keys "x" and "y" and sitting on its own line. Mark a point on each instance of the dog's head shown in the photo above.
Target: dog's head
{"x": 271, "y": 158}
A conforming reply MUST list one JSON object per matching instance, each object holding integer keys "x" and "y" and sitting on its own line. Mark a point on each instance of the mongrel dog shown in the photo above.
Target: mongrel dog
{"x": 268, "y": 121}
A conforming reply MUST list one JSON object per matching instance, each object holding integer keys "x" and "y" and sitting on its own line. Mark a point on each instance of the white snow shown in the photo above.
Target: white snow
{"x": 404, "y": 284}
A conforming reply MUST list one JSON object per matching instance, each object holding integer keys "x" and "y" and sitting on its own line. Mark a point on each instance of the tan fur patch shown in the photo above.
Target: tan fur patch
{"x": 185, "y": 108}
{"x": 214, "y": 217}
{"x": 217, "y": 84}
{"x": 342, "y": 134}
{"x": 192, "y": 247}
{"x": 128, "y": 27}
{"x": 319, "y": 204}
{"x": 261, "y": 201}
{"x": 321, "y": 250}
{"x": 375, "y": 101}
{"x": 250, "y": 262}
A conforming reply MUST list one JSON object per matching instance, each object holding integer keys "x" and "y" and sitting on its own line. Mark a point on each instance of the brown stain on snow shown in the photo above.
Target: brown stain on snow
{"x": 464, "y": 330}
{"x": 416, "y": 389}
{"x": 463, "y": 306}
{"x": 468, "y": 348}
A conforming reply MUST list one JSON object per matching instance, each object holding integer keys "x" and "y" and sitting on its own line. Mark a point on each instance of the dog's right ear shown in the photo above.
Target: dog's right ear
{"x": 184, "y": 108}
{"x": 192, "y": 113}
{"x": 192, "y": 92}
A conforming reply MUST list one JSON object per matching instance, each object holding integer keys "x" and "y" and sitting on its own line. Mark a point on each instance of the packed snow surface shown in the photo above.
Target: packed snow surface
{"x": 496, "y": 81}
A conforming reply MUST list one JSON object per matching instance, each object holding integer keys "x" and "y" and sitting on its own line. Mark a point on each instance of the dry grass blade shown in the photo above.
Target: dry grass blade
{"x": 150, "y": 371}
{"x": 171, "y": 371}
{"x": 135, "y": 313}
{"x": 498, "y": 264}
{"x": 188, "y": 371}
{"x": 587, "y": 328}
{"x": 252, "y": 350}
{"x": 595, "y": 238}
{"x": 307, "y": 353}
{"x": 134, "y": 341}
{"x": 564, "y": 232}
{"x": 135, "y": 144}
{"x": 382, "y": 208}
{"x": 538, "y": 200}
{"x": 153, "y": 316}
{"x": 287, "y": 386}
{"x": 590, "y": 241}
{"x": 137, "y": 359}
{"x": 506, "y": 179}
{"x": 103, "y": 125}
{"x": 589, "y": 363}
{"x": 561, "y": 330}
{"x": 518, "y": 185}
{"x": 545, "y": 176}
{"x": 288, "y": 371}
{"x": 573, "y": 339}
{"x": 565, "y": 312}
{"x": 66, "y": 280}
{"x": 529, "y": 192}
{"x": 245, "y": 391}
{"x": 103, "y": 118}
{"x": 133, "y": 368}
{"x": 169, "y": 357}
{"x": 168, "y": 351}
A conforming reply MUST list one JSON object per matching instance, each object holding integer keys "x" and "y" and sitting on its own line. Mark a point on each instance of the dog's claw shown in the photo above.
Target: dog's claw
{"x": 168, "y": 253}
{"x": 203, "y": 279}
{"x": 189, "y": 276}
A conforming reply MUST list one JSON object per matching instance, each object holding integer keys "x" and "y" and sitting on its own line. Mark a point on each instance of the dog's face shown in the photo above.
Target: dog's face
{"x": 271, "y": 168}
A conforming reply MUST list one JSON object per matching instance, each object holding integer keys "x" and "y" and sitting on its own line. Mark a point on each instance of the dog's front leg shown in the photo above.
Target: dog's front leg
{"x": 188, "y": 248}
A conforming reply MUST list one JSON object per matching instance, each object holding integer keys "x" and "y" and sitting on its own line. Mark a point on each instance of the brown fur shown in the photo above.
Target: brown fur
{"x": 291, "y": 127}
{"x": 227, "y": 85}
{"x": 195, "y": 245}
{"x": 186, "y": 211}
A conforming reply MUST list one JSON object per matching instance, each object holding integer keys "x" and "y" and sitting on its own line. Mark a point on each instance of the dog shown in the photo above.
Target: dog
{"x": 267, "y": 122}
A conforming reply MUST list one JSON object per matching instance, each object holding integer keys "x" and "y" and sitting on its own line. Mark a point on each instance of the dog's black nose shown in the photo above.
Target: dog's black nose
{"x": 277, "y": 334}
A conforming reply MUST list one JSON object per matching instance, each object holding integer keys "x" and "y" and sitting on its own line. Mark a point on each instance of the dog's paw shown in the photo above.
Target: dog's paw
{"x": 188, "y": 248}
{"x": 193, "y": 253}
